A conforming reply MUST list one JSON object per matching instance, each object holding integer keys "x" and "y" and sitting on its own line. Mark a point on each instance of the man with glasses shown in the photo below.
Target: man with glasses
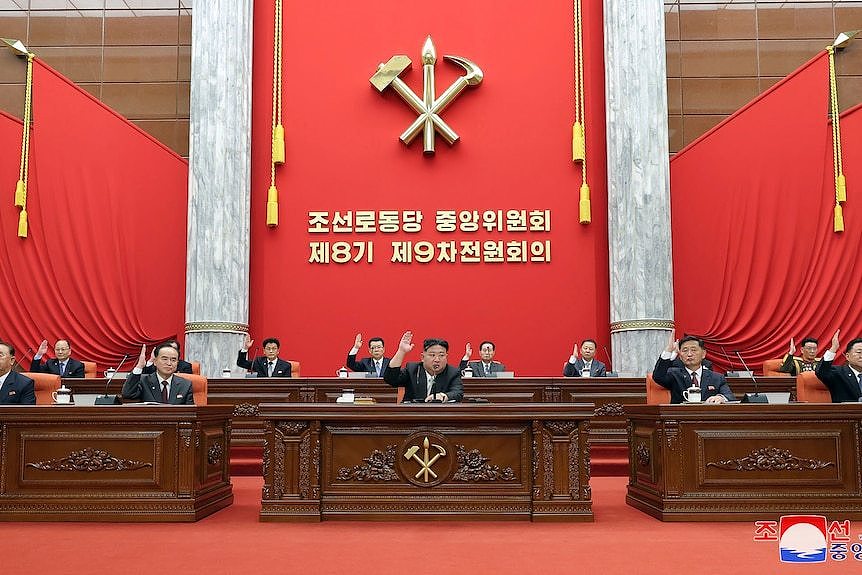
{"x": 808, "y": 362}
{"x": 63, "y": 364}
{"x": 376, "y": 364}
{"x": 267, "y": 365}
{"x": 162, "y": 386}
{"x": 844, "y": 381}
{"x": 429, "y": 380}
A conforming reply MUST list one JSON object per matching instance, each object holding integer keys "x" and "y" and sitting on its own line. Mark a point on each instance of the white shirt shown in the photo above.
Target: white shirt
{"x": 3, "y": 378}
{"x": 430, "y": 383}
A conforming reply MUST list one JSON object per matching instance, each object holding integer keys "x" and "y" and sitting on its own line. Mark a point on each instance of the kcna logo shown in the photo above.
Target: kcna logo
{"x": 429, "y": 106}
{"x": 802, "y": 539}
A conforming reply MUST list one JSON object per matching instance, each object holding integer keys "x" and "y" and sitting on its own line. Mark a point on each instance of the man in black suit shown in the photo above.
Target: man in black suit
{"x": 691, "y": 350}
{"x": 162, "y": 386}
{"x": 587, "y": 365}
{"x": 432, "y": 379}
{"x": 63, "y": 365}
{"x": 844, "y": 381}
{"x": 376, "y": 364}
{"x": 182, "y": 365}
{"x": 486, "y": 367}
{"x": 267, "y": 365}
{"x": 15, "y": 389}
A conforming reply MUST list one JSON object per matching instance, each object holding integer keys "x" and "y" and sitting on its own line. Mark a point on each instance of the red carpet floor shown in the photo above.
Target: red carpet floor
{"x": 622, "y": 540}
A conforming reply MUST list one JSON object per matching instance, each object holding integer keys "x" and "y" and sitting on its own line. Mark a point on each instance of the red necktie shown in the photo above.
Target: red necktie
{"x": 165, "y": 392}
{"x": 694, "y": 380}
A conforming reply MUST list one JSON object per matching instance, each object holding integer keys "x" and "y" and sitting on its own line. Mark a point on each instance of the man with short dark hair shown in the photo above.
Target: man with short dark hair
{"x": 486, "y": 366}
{"x": 376, "y": 364}
{"x": 267, "y": 365}
{"x": 807, "y": 362}
{"x": 63, "y": 364}
{"x": 162, "y": 386}
{"x": 15, "y": 389}
{"x": 691, "y": 351}
{"x": 587, "y": 365}
{"x": 844, "y": 381}
{"x": 432, "y": 379}
{"x": 182, "y": 365}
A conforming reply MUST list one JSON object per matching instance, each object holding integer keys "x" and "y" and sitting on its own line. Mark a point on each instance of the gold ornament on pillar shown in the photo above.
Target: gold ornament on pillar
{"x": 840, "y": 43}
{"x": 277, "y": 126}
{"x": 21, "y": 186}
{"x": 579, "y": 130}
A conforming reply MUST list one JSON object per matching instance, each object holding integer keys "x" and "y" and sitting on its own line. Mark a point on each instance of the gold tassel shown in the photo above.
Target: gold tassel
{"x": 22, "y": 224}
{"x": 20, "y": 194}
{"x": 578, "y": 144}
{"x": 272, "y": 207}
{"x": 838, "y": 219}
{"x": 278, "y": 145}
{"x": 584, "y": 204}
{"x": 841, "y": 189}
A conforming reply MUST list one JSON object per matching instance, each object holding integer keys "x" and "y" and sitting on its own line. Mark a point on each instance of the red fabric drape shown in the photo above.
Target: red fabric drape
{"x": 755, "y": 259}
{"x": 104, "y": 263}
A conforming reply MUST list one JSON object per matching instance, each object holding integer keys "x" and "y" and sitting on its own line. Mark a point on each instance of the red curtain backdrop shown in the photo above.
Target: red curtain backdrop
{"x": 343, "y": 153}
{"x": 104, "y": 263}
{"x": 755, "y": 258}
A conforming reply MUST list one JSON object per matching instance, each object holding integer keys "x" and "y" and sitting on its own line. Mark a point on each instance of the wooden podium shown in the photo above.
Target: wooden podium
{"x": 123, "y": 463}
{"x": 426, "y": 461}
{"x": 745, "y": 462}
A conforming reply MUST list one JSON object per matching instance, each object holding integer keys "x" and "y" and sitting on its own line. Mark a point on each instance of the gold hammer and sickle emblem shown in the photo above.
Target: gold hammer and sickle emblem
{"x": 425, "y": 463}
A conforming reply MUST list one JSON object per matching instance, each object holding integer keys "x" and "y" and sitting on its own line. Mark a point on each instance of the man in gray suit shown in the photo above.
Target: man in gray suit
{"x": 587, "y": 365}
{"x": 486, "y": 367}
{"x": 162, "y": 386}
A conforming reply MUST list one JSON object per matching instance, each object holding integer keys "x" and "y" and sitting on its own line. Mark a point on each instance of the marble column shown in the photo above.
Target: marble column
{"x": 217, "y": 281}
{"x": 641, "y": 275}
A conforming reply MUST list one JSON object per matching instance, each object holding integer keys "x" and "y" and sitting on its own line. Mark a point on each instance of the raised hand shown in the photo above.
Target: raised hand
{"x": 406, "y": 344}
{"x": 357, "y": 343}
{"x": 575, "y": 350}
{"x": 672, "y": 345}
{"x": 792, "y": 347}
{"x": 468, "y": 350}
{"x": 835, "y": 343}
{"x": 247, "y": 342}
{"x": 142, "y": 359}
{"x": 43, "y": 347}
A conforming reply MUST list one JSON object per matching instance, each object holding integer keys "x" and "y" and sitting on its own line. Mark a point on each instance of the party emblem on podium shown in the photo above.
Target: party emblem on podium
{"x": 802, "y": 538}
{"x": 429, "y": 106}
{"x": 425, "y": 459}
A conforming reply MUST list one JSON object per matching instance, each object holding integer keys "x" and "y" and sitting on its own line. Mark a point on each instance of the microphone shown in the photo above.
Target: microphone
{"x": 109, "y": 399}
{"x": 729, "y": 363}
{"x": 751, "y": 397}
{"x": 608, "y": 357}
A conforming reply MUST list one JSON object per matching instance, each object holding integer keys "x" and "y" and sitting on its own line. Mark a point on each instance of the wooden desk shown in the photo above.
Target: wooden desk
{"x": 125, "y": 463}
{"x": 341, "y": 461}
{"x": 609, "y": 395}
{"x": 745, "y": 462}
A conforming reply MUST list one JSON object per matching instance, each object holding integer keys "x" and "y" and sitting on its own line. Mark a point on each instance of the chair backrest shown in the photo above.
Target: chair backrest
{"x": 810, "y": 389}
{"x": 45, "y": 384}
{"x": 196, "y": 367}
{"x": 655, "y": 394}
{"x": 199, "y": 387}
{"x": 89, "y": 369}
{"x": 770, "y": 367}
{"x": 294, "y": 368}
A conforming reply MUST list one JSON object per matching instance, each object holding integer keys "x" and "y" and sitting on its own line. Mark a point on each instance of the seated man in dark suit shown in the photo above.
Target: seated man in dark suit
{"x": 182, "y": 365}
{"x": 486, "y": 367}
{"x": 587, "y": 365}
{"x": 691, "y": 351}
{"x": 162, "y": 386}
{"x": 267, "y": 365}
{"x": 844, "y": 381}
{"x": 63, "y": 365}
{"x": 376, "y": 364}
{"x": 432, "y": 379}
{"x": 15, "y": 389}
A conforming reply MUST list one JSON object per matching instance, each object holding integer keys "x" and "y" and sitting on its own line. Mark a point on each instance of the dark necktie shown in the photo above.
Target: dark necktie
{"x": 164, "y": 392}
{"x": 63, "y": 368}
{"x": 694, "y": 380}
{"x": 860, "y": 383}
